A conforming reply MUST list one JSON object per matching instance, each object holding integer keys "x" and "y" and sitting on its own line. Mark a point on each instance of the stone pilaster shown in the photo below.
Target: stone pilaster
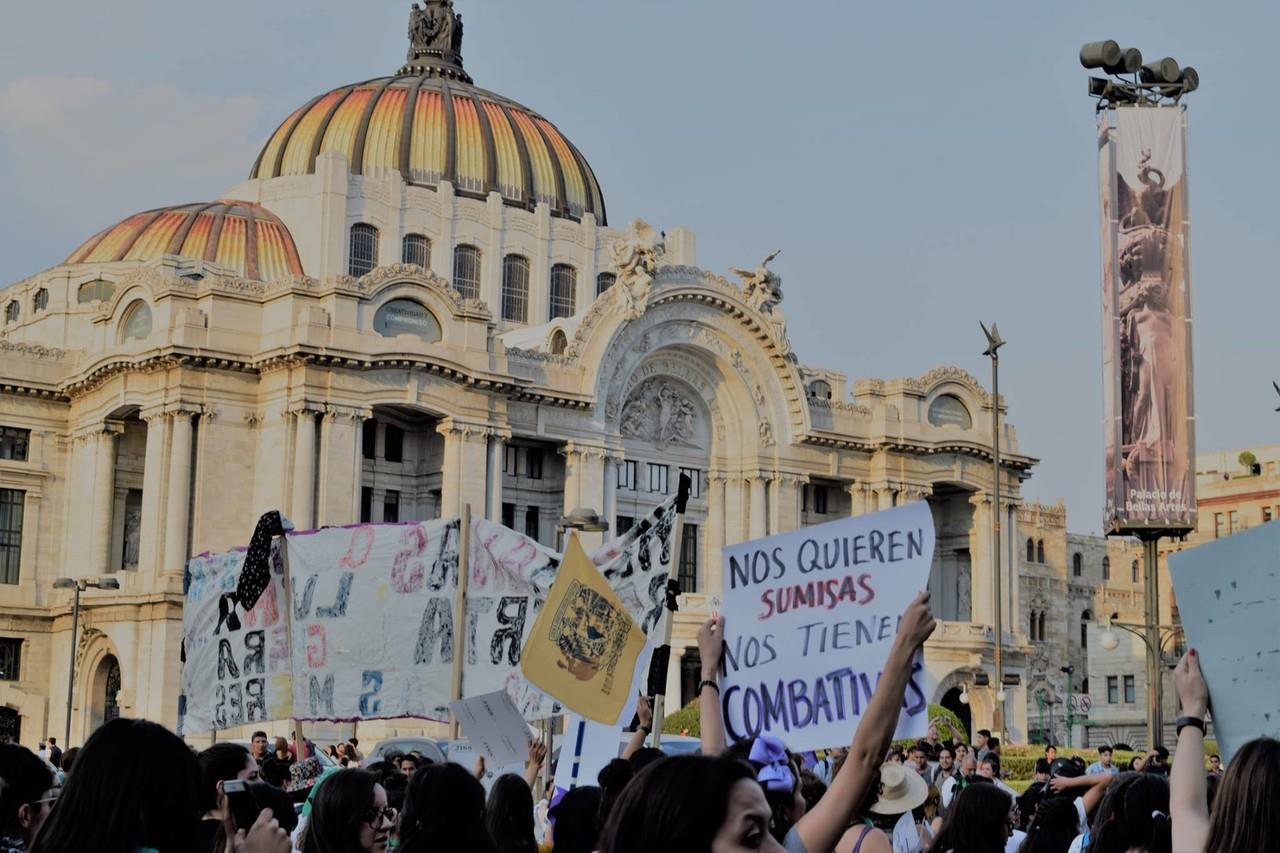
{"x": 462, "y": 481}
{"x": 177, "y": 512}
{"x": 153, "y": 471}
{"x": 341, "y": 433}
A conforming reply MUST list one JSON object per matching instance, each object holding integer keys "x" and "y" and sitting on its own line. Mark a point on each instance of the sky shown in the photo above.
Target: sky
{"x": 922, "y": 165}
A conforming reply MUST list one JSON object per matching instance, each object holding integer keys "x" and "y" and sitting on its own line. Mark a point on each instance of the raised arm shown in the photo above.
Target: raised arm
{"x": 822, "y": 826}
{"x": 644, "y": 710}
{"x": 1188, "y": 802}
{"x": 532, "y": 764}
{"x": 710, "y": 648}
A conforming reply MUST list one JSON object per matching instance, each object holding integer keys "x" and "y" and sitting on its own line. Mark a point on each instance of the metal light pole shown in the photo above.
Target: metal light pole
{"x": 994, "y": 342}
{"x": 1071, "y": 719}
{"x": 1154, "y": 637}
{"x": 79, "y": 585}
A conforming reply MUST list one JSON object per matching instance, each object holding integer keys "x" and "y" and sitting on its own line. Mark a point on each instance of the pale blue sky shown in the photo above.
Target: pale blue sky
{"x": 922, "y": 165}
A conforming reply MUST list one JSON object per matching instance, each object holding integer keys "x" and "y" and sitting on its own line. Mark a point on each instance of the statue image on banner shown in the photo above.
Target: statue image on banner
{"x": 1149, "y": 449}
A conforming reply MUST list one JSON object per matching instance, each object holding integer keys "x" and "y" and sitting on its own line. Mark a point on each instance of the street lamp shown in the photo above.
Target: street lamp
{"x": 79, "y": 585}
{"x": 1154, "y": 637}
{"x": 994, "y": 342}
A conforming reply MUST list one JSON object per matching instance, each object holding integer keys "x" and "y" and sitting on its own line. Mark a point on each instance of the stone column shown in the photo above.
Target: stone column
{"x": 859, "y": 503}
{"x": 152, "y": 485}
{"x": 784, "y": 503}
{"x": 982, "y": 609}
{"x": 715, "y": 541}
{"x": 758, "y": 524}
{"x": 176, "y": 521}
{"x": 1009, "y": 568}
{"x": 340, "y": 465}
{"x": 302, "y": 504}
{"x": 462, "y": 482}
{"x": 584, "y": 478}
{"x": 885, "y": 493}
{"x": 671, "y": 702}
{"x": 735, "y": 510}
{"x": 609, "y": 509}
{"x": 104, "y": 479}
{"x": 493, "y": 483}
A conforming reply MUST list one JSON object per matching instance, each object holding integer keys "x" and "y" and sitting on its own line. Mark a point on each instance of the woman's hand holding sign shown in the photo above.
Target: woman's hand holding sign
{"x": 710, "y": 650}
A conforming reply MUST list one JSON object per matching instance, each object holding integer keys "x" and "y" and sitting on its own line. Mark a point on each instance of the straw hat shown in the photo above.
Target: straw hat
{"x": 901, "y": 789}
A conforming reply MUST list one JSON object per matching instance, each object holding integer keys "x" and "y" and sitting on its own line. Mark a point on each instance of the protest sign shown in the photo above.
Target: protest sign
{"x": 584, "y": 645}
{"x": 462, "y": 752}
{"x": 494, "y": 727}
{"x": 586, "y": 747}
{"x": 235, "y": 668}
{"x": 1228, "y": 594}
{"x": 510, "y": 576}
{"x": 810, "y": 616}
{"x": 373, "y": 634}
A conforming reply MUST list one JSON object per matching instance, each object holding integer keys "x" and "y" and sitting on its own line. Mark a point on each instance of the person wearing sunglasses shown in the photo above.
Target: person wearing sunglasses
{"x": 27, "y": 794}
{"x": 349, "y": 814}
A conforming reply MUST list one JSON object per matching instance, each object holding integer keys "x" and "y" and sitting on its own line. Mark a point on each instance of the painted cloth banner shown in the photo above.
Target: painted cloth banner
{"x": 1228, "y": 593}
{"x": 508, "y": 582}
{"x": 1146, "y": 286}
{"x": 584, "y": 645}
{"x": 373, "y": 632}
{"x": 234, "y": 672}
{"x": 810, "y": 616}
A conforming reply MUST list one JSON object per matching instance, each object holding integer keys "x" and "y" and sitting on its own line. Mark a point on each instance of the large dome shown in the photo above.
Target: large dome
{"x": 247, "y": 238}
{"x": 431, "y": 124}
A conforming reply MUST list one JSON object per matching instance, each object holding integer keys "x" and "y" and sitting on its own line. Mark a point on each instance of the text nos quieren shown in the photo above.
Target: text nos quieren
{"x": 789, "y": 704}
{"x": 760, "y": 565}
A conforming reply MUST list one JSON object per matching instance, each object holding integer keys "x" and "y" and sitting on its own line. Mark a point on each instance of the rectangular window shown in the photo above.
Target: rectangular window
{"x": 510, "y": 460}
{"x": 531, "y": 522}
{"x": 1113, "y": 690}
{"x": 627, "y": 475}
{"x": 394, "y": 450}
{"x": 369, "y": 440}
{"x": 658, "y": 478}
{"x": 509, "y": 516}
{"x": 1266, "y": 514}
{"x": 819, "y": 499}
{"x": 12, "y": 502}
{"x": 14, "y": 443}
{"x": 533, "y": 463}
{"x": 10, "y": 659}
{"x": 1129, "y": 693}
{"x": 1217, "y": 525}
{"x": 625, "y": 523}
{"x": 695, "y": 481}
{"x": 1234, "y": 518}
{"x": 689, "y": 559}
{"x": 391, "y": 506}
{"x": 366, "y": 505}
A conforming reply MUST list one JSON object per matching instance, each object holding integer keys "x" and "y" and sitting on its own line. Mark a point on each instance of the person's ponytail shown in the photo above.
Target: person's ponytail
{"x": 1160, "y": 838}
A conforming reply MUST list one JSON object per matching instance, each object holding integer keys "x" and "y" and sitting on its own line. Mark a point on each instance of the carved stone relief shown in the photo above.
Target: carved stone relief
{"x": 657, "y": 411}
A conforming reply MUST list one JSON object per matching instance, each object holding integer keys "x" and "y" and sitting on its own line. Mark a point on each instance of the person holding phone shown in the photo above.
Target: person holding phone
{"x": 349, "y": 814}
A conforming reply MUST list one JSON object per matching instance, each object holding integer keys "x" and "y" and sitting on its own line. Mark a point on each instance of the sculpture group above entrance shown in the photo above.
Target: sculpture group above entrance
{"x": 658, "y": 412}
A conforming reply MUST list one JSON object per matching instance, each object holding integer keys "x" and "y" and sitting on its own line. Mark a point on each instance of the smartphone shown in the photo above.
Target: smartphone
{"x": 244, "y": 808}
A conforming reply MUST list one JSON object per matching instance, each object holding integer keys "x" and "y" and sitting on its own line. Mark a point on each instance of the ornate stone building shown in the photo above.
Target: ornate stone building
{"x": 415, "y": 302}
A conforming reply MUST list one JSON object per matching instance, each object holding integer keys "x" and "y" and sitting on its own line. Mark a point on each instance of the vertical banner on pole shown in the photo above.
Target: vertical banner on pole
{"x": 1147, "y": 399}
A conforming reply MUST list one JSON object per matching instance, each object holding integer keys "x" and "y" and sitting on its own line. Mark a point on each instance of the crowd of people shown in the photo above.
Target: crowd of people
{"x": 135, "y": 787}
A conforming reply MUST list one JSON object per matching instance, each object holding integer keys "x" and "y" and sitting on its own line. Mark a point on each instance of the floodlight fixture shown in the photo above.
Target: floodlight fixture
{"x": 1130, "y": 62}
{"x": 1190, "y": 79}
{"x": 1160, "y": 71}
{"x": 1098, "y": 54}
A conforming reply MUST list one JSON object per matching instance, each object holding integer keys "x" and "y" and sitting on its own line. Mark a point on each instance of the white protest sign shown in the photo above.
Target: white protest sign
{"x": 461, "y": 752}
{"x": 373, "y": 634}
{"x": 494, "y": 727}
{"x": 810, "y": 616}
{"x": 232, "y": 676}
{"x": 1228, "y": 596}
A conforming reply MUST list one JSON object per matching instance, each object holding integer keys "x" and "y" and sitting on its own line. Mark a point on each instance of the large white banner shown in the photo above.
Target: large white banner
{"x": 373, "y": 633}
{"x": 810, "y": 616}
{"x": 235, "y": 668}
{"x": 507, "y": 585}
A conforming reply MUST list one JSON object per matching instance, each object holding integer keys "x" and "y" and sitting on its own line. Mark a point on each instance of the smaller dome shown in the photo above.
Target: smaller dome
{"x": 242, "y": 236}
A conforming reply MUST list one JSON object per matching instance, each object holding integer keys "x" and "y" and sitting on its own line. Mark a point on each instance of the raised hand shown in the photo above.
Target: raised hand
{"x": 265, "y": 836}
{"x": 1193, "y": 692}
{"x": 644, "y": 710}
{"x": 711, "y": 643}
{"x": 917, "y": 622}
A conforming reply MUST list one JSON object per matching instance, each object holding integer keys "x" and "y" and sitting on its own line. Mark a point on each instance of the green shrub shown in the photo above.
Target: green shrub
{"x": 685, "y": 718}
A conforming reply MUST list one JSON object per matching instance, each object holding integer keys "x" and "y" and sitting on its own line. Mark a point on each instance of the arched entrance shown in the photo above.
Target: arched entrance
{"x": 106, "y": 692}
{"x": 10, "y": 725}
{"x": 951, "y": 701}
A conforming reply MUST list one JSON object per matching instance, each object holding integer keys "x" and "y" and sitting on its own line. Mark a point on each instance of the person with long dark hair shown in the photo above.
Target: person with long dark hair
{"x": 349, "y": 814}
{"x": 1133, "y": 816}
{"x": 444, "y": 812}
{"x": 221, "y": 763}
{"x": 136, "y": 786}
{"x": 575, "y": 820}
{"x": 1244, "y": 817}
{"x": 1053, "y": 829}
{"x": 980, "y": 820}
{"x": 691, "y": 804}
{"x": 508, "y": 815}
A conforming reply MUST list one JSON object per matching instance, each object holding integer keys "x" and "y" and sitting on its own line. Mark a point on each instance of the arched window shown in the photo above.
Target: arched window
{"x": 1042, "y": 626}
{"x": 406, "y": 317}
{"x": 466, "y": 271}
{"x": 136, "y": 324}
{"x": 948, "y": 410}
{"x": 1031, "y": 550}
{"x": 1106, "y": 568}
{"x": 40, "y": 301}
{"x": 819, "y": 389}
{"x": 416, "y": 249}
{"x": 564, "y": 284}
{"x": 1032, "y": 632}
{"x": 1085, "y": 618}
{"x": 604, "y": 281}
{"x": 1133, "y": 571}
{"x": 1077, "y": 565}
{"x": 559, "y": 342}
{"x": 98, "y": 290}
{"x": 364, "y": 249}
{"x": 12, "y": 311}
{"x": 515, "y": 288}
{"x": 1040, "y": 551}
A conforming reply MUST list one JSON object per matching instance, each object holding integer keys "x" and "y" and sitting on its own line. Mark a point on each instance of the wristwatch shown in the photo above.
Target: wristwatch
{"x": 1194, "y": 722}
